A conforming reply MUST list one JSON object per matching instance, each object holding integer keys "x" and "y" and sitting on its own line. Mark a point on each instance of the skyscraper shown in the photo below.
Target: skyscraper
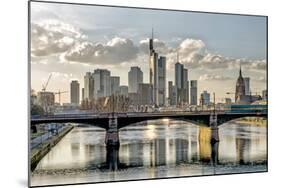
{"x": 114, "y": 84}
{"x": 161, "y": 80}
{"x": 83, "y": 94}
{"x": 247, "y": 85}
{"x": 181, "y": 82}
{"x": 74, "y": 92}
{"x": 264, "y": 94}
{"x": 179, "y": 75}
{"x": 88, "y": 86}
{"x": 135, "y": 77}
{"x": 145, "y": 94}
{"x": 240, "y": 88}
{"x": 185, "y": 86}
{"x": 193, "y": 92}
{"x": 170, "y": 92}
{"x": 153, "y": 71}
{"x": 102, "y": 83}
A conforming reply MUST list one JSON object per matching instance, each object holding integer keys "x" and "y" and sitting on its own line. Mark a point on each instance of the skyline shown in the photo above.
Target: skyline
{"x": 55, "y": 45}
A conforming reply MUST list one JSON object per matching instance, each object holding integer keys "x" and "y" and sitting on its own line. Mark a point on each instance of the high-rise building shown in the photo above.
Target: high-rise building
{"x": 186, "y": 85}
{"x": 205, "y": 98}
{"x": 83, "y": 94}
{"x": 153, "y": 71}
{"x": 74, "y": 92}
{"x": 170, "y": 91}
{"x": 240, "y": 88}
{"x": 102, "y": 83}
{"x": 114, "y": 84}
{"x": 179, "y": 75}
{"x": 135, "y": 77}
{"x": 264, "y": 94}
{"x": 145, "y": 94}
{"x": 88, "y": 86}
{"x": 193, "y": 92}
{"x": 181, "y": 82}
{"x": 174, "y": 95}
{"x": 161, "y": 80}
{"x": 247, "y": 86}
{"x": 123, "y": 90}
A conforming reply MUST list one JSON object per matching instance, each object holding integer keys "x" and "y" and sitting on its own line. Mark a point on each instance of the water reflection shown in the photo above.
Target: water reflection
{"x": 153, "y": 149}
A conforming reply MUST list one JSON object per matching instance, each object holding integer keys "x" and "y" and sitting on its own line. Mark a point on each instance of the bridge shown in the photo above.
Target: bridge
{"x": 125, "y": 119}
{"x": 112, "y": 122}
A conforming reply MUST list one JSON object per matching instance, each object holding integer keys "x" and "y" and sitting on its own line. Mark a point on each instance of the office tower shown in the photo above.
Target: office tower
{"x": 186, "y": 86}
{"x": 161, "y": 80}
{"x": 179, "y": 75}
{"x": 264, "y": 94}
{"x": 145, "y": 94}
{"x": 124, "y": 90}
{"x": 153, "y": 71}
{"x": 135, "y": 77}
{"x": 181, "y": 82}
{"x": 83, "y": 94}
{"x": 102, "y": 83}
{"x": 247, "y": 86}
{"x": 114, "y": 84}
{"x": 88, "y": 86}
{"x": 170, "y": 92}
{"x": 240, "y": 88}
{"x": 74, "y": 92}
{"x": 205, "y": 98}
{"x": 193, "y": 92}
{"x": 174, "y": 95}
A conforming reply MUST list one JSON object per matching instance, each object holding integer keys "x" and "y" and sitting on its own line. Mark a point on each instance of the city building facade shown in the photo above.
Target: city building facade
{"x": 135, "y": 77}
{"x": 74, "y": 92}
{"x": 193, "y": 92}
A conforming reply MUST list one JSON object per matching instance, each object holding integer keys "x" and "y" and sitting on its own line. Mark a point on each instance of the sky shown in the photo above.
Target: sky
{"x": 69, "y": 40}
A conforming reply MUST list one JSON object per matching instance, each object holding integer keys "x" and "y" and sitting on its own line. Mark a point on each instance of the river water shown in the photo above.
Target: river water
{"x": 155, "y": 149}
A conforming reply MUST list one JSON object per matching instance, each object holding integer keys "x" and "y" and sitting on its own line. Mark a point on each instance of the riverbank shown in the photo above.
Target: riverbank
{"x": 39, "y": 152}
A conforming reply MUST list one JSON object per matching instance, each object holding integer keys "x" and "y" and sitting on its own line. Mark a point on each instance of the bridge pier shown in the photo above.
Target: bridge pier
{"x": 112, "y": 135}
{"x": 214, "y": 128}
{"x": 112, "y": 144}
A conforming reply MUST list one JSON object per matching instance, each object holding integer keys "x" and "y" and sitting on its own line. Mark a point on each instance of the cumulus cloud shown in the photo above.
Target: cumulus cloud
{"x": 52, "y": 37}
{"x": 214, "y": 77}
{"x": 117, "y": 50}
{"x": 261, "y": 79}
{"x": 159, "y": 46}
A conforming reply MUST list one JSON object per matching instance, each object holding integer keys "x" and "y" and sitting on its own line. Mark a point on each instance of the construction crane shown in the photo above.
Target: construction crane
{"x": 59, "y": 93}
{"x": 44, "y": 86}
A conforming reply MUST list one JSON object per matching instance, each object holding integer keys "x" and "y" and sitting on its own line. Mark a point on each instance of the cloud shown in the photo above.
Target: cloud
{"x": 214, "y": 77}
{"x": 261, "y": 79}
{"x": 52, "y": 37}
{"x": 56, "y": 38}
{"x": 159, "y": 46}
{"x": 115, "y": 51}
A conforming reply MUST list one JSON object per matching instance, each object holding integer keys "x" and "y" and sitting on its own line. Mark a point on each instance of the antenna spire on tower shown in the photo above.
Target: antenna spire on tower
{"x": 177, "y": 56}
{"x": 152, "y": 33}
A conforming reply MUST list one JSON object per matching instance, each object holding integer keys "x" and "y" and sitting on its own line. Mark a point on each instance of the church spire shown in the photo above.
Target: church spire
{"x": 240, "y": 71}
{"x": 152, "y": 34}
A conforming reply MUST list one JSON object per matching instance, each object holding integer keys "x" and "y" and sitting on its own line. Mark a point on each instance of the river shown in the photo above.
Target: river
{"x": 155, "y": 149}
